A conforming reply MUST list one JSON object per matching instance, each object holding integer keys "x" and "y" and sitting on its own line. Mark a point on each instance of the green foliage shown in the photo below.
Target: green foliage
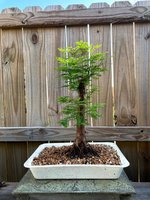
{"x": 78, "y": 69}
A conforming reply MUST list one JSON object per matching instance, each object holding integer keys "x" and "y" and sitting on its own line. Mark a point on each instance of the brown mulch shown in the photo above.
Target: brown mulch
{"x": 56, "y": 155}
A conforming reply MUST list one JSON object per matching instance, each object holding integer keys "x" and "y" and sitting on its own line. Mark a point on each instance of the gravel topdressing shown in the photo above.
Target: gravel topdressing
{"x": 56, "y": 155}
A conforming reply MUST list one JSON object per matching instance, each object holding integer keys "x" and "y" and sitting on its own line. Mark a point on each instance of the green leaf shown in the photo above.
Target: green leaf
{"x": 77, "y": 70}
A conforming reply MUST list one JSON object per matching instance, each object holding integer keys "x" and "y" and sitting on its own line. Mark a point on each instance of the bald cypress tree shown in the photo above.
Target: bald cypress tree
{"x": 77, "y": 70}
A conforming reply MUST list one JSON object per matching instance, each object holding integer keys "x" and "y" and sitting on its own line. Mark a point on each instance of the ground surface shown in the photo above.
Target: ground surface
{"x": 142, "y": 191}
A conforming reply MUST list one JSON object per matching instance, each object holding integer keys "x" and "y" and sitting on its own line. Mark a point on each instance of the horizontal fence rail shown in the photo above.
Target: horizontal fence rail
{"x": 57, "y": 134}
{"x": 76, "y": 17}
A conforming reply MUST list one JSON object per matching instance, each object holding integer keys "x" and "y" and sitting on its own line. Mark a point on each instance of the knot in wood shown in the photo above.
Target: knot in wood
{"x": 147, "y": 36}
{"x": 34, "y": 38}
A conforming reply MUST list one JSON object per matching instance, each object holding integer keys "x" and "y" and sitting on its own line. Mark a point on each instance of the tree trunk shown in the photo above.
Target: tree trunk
{"x": 80, "y": 136}
{"x": 80, "y": 130}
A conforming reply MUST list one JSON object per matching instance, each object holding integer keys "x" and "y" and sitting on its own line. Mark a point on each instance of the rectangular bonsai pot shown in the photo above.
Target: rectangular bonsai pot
{"x": 77, "y": 171}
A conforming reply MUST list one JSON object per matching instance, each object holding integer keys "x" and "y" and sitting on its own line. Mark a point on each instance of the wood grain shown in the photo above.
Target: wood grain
{"x": 1, "y": 86}
{"x": 3, "y": 165}
{"x": 144, "y": 161}
{"x": 99, "y": 5}
{"x": 11, "y": 10}
{"x": 129, "y": 149}
{"x": 75, "y": 17}
{"x": 16, "y": 154}
{"x": 54, "y": 39}
{"x": 142, "y": 58}
{"x": 13, "y": 78}
{"x": 32, "y": 9}
{"x": 101, "y": 35}
{"x": 53, "y": 7}
{"x": 102, "y": 133}
{"x": 76, "y": 7}
{"x": 31, "y": 147}
{"x": 121, "y": 4}
{"x": 75, "y": 34}
{"x": 142, "y": 47}
{"x": 35, "y": 77}
{"x": 124, "y": 75}
{"x": 142, "y": 3}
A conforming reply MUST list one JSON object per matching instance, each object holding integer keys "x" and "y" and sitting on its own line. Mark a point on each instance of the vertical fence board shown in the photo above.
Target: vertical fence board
{"x": 3, "y": 165}
{"x": 129, "y": 149}
{"x": 1, "y": 86}
{"x": 75, "y": 34}
{"x": 124, "y": 75}
{"x": 16, "y": 155}
{"x": 13, "y": 78}
{"x": 144, "y": 148}
{"x": 124, "y": 88}
{"x": 142, "y": 58}
{"x": 54, "y": 39}
{"x": 101, "y": 35}
{"x": 35, "y": 77}
{"x": 142, "y": 46}
{"x": 31, "y": 147}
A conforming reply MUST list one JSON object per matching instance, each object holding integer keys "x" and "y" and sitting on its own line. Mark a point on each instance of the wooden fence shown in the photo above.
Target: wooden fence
{"x": 30, "y": 85}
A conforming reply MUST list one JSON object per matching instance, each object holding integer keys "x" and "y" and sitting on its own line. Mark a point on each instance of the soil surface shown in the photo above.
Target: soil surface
{"x": 57, "y": 155}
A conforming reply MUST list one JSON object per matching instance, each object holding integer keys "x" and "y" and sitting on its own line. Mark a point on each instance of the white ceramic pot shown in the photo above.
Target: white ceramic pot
{"x": 87, "y": 171}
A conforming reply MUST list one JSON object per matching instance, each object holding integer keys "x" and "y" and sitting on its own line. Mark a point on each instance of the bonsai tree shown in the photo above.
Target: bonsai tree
{"x": 78, "y": 69}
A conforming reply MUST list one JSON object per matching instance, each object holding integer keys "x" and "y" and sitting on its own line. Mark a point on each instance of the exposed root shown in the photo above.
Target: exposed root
{"x": 81, "y": 150}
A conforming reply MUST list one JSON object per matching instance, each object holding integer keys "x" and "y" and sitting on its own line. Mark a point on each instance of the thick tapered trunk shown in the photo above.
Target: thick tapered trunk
{"x": 80, "y": 136}
{"x": 80, "y": 130}
{"x": 80, "y": 147}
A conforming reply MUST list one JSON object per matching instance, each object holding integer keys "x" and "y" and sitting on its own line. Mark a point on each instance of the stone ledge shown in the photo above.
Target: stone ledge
{"x": 31, "y": 188}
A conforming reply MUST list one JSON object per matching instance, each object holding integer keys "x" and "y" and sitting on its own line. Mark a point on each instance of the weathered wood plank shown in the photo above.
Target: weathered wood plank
{"x": 129, "y": 149}
{"x": 74, "y": 17}
{"x": 76, "y": 6}
{"x": 13, "y": 78}
{"x": 1, "y": 86}
{"x": 121, "y": 4}
{"x": 142, "y": 51}
{"x": 35, "y": 77}
{"x": 142, "y": 3}
{"x": 124, "y": 75}
{"x": 144, "y": 161}
{"x": 142, "y": 59}
{"x": 75, "y": 34}
{"x": 32, "y": 9}
{"x": 53, "y": 7}
{"x": 3, "y": 158}
{"x": 16, "y": 154}
{"x": 101, "y": 35}
{"x": 99, "y": 5}
{"x": 11, "y": 10}
{"x": 67, "y": 134}
{"x": 54, "y": 39}
{"x": 31, "y": 147}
